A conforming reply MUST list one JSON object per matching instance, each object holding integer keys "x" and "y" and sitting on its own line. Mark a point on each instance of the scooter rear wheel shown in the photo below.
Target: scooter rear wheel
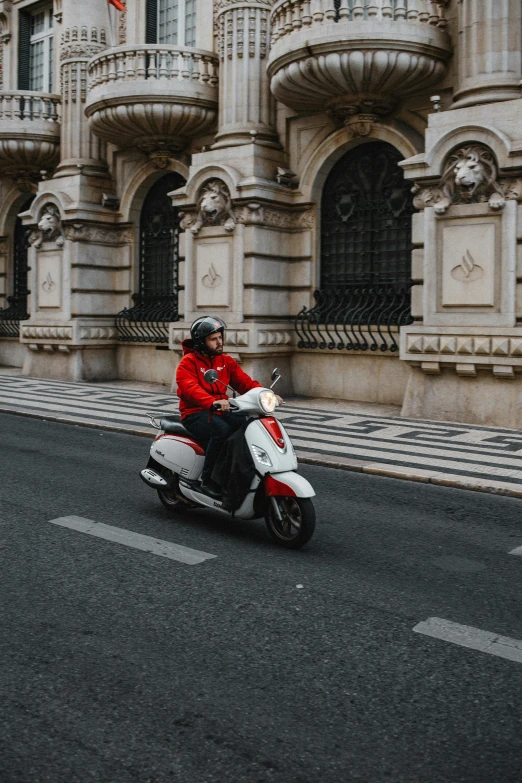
{"x": 297, "y": 523}
{"x": 171, "y": 498}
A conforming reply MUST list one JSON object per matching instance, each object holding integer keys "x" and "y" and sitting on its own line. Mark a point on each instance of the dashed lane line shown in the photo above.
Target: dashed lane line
{"x": 473, "y": 638}
{"x": 128, "y": 538}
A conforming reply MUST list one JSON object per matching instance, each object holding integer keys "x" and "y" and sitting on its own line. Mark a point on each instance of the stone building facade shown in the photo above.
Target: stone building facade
{"x": 339, "y": 180}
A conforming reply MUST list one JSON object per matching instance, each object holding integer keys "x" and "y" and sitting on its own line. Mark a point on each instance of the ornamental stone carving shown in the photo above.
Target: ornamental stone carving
{"x": 47, "y": 332}
{"x": 287, "y": 178}
{"x": 240, "y": 339}
{"x": 509, "y": 188}
{"x": 274, "y": 337}
{"x": 49, "y": 228}
{"x": 214, "y": 208}
{"x": 78, "y": 232}
{"x": 255, "y": 213}
{"x": 122, "y": 28}
{"x": 82, "y": 43}
{"x": 470, "y": 176}
{"x": 98, "y": 333}
{"x": 232, "y": 337}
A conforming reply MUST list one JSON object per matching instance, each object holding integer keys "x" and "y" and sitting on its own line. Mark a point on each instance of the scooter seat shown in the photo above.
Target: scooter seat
{"x": 173, "y": 426}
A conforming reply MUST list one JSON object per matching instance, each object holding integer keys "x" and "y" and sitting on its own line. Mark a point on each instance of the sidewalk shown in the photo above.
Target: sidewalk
{"x": 347, "y": 435}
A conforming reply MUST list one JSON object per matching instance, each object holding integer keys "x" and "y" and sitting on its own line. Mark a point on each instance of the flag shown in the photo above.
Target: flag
{"x": 118, "y": 5}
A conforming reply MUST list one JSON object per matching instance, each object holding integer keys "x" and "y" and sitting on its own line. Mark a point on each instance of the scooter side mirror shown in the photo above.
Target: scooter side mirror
{"x": 275, "y": 377}
{"x": 210, "y": 376}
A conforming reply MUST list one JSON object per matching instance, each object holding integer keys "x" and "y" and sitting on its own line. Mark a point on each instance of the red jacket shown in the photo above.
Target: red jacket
{"x": 194, "y": 394}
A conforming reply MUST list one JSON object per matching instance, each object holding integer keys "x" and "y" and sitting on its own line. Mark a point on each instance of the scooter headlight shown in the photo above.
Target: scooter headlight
{"x": 268, "y": 401}
{"x": 262, "y": 456}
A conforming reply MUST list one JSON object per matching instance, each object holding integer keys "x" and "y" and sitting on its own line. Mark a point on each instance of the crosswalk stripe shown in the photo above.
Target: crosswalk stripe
{"x": 440, "y": 452}
{"x": 128, "y": 538}
{"x": 473, "y": 638}
{"x": 438, "y": 464}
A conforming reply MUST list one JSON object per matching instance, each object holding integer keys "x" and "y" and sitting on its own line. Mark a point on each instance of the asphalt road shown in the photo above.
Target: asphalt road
{"x": 118, "y": 666}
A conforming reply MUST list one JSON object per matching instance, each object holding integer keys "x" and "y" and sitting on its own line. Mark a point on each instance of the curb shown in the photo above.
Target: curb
{"x": 339, "y": 463}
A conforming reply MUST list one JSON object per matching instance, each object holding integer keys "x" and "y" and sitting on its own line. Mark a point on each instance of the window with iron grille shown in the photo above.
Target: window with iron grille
{"x": 156, "y": 302}
{"x": 365, "y": 281}
{"x": 16, "y": 309}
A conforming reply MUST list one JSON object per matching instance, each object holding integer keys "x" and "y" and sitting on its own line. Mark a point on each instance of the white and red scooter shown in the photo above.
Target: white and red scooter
{"x": 276, "y": 493}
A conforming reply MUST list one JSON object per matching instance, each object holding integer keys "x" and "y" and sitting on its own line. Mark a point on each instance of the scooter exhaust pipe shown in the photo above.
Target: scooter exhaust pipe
{"x": 153, "y": 479}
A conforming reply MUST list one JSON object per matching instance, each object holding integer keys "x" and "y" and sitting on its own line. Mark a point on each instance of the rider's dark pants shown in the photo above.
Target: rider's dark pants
{"x": 212, "y": 434}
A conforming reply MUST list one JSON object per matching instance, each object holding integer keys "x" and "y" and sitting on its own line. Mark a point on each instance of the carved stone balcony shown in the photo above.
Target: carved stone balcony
{"x": 353, "y": 57}
{"x": 154, "y": 97}
{"x": 29, "y": 133}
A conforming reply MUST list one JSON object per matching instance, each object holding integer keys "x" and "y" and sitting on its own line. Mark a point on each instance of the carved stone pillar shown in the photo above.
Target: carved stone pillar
{"x": 85, "y": 33}
{"x": 246, "y": 105}
{"x": 490, "y": 45}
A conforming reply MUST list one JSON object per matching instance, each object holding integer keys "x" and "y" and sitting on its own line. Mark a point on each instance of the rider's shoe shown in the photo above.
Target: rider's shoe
{"x": 211, "y": 489}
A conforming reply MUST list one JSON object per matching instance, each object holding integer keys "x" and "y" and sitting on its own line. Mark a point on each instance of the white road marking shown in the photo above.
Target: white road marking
{"x": 135, "y": 540}
{"x": 517, "y": 551}
{"x": 474, "y": 638}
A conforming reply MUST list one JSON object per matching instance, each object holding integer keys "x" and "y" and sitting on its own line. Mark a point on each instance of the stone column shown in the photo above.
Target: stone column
{"x": 490, "y": 45}
{"x": 80, "y": 254}
{"x": 85, "y": 33}
{"x": 246, "y": 105}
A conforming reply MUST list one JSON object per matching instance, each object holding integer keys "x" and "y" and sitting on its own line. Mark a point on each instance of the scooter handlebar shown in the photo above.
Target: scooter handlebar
{"x": 233, "y": 408}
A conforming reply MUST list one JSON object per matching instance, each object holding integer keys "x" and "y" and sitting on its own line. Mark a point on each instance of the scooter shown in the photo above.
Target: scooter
{"x": 277, "y": 492}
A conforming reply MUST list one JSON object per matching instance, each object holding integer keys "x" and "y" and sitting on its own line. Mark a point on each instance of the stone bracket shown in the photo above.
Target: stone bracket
{"x": 465, "y": 350}
{"x": 68, "y": 335}
{"x": 243, "y": 338}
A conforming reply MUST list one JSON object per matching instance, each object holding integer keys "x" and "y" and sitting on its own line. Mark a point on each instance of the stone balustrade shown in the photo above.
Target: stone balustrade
{"x": 157, "y": 62}
{"x": 154, "y": 97}
{"x": 356, "y": 56}
{"x": 290, "y": 15}
{"x": 32, "y": 106}
{"x": 29, "y": 132}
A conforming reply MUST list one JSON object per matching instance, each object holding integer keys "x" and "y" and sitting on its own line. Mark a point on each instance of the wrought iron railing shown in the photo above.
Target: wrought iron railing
{"x": 357, "y": 318}
{"x": 147, "y": 321}
{"x": 11, "y": 316}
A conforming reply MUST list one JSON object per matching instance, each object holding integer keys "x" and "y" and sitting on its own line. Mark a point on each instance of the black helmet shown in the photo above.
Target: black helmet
{"x": 203, "y": 327}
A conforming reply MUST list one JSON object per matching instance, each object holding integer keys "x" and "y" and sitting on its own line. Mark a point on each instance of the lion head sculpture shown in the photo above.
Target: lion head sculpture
{"x": 214, "y": 207}
{"x": 49, "y": 227}
{"x": 470, "y": 175}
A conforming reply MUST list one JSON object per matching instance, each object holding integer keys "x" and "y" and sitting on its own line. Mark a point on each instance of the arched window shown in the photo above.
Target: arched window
{"x": 16, "y": 309}
{"x": 171, "y": 22}
{"x": 365, "y": 262}
{"x": 366, "y": 219}
{"x": 156, "y": 302}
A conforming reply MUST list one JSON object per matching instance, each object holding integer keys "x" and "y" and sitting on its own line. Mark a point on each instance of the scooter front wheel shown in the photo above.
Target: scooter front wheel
{"x": 290, "y": 520}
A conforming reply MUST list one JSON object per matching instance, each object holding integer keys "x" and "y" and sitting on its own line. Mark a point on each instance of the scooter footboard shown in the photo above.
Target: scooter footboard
{"x": 289, "y": 484}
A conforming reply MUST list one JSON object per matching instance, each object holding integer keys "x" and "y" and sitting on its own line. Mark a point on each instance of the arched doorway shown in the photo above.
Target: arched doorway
{"x": 16, "y": 309}
{"x": 365, "y": 254}
{"x": 156, "y": 301}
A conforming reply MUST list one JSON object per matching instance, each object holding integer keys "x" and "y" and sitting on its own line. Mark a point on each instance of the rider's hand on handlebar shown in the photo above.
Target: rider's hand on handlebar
{"x": 280, "y": 400}
{"x": 222, "y": 405}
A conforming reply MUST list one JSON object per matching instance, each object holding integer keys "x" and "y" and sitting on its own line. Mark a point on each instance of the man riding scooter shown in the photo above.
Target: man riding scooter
{"x": 205, "y": 409}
